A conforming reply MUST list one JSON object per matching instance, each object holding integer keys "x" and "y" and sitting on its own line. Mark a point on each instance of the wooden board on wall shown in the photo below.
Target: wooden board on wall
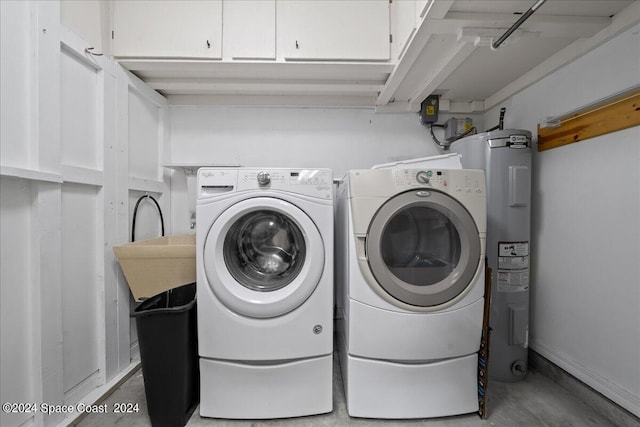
{"x": 620, "y": 112}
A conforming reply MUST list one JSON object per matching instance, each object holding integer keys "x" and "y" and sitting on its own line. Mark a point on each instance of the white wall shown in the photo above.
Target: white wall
{"x": 335, "y": 138}
{"x": 16, "y": 299}
{"x": 81, "y": 140}
{"x": 585, "y": 286}
{"x": 14, "y": 101}
{"x": 340, "y": 139}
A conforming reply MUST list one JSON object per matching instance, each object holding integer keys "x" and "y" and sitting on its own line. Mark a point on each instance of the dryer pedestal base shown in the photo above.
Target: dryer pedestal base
{"x": 261, "y": 391}
{"x": 382, "y": 389}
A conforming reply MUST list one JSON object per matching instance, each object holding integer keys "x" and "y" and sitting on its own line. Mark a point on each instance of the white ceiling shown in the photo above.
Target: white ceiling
{"x": 449, "y": 55}
{"x": 552, "y": 7}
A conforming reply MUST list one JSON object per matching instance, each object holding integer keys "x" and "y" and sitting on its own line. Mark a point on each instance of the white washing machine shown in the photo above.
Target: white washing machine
{"x": 410, "y": 268}
{"x": 264, "y": 241}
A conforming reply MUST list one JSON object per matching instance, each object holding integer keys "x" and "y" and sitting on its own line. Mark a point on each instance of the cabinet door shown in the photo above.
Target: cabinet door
{"x": 249, "y": 29}
{"x": 403, "y": 25}
{"x": 334, "y": 29}
{"x": 422, "y": 6}
{"x": 176, "y": 29}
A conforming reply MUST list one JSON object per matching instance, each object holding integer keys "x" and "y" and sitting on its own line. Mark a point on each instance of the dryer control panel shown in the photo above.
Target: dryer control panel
{"x": 464, "y": 181}
{"x": 420, "y": 178}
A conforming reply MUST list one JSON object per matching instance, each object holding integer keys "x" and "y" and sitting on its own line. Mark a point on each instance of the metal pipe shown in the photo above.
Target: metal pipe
{"x": 519, "y": 22}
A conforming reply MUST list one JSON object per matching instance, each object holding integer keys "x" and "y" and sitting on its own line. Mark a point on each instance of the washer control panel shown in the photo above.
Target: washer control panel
{"x": 312, "y": 182}
{"x": 278, "y": 178}
{"x": 264, "y": 178}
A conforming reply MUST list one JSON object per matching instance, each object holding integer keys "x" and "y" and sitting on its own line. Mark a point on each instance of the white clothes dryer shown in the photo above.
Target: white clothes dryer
{"x": 264, "y": 241}
{"x": 410, "y": 270}
{"x": 442, "y": 161}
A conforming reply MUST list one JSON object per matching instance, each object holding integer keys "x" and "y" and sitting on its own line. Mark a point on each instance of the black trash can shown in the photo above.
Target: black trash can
{"x": 168, "y": 340}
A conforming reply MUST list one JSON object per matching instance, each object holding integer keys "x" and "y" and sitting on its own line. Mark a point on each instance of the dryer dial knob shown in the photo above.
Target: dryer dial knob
{"x": 422, "y": 177}
{"x": 264, "y": 178}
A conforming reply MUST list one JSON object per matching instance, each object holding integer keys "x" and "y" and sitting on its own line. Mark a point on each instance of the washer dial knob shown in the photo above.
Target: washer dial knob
{"x": 264, "y": 178}
{"x": 423, "y": 177}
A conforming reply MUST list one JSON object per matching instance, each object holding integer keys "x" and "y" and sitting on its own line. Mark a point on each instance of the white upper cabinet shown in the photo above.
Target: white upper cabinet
{"x": 422, "y": 6}
{"x": 168, "y": 29}
{"x": 334, "y": 29}
{"x": 325, "y": 30}
{"x": 249, "y": 29}
{"x": 403, "y": 25}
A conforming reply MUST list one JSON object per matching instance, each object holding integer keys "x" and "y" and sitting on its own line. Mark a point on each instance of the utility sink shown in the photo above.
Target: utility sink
{"x": 156, "y": 265}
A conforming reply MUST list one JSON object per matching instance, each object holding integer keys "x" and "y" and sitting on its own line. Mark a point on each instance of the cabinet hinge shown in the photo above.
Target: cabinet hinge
{"x": 112, "y": 34}
{"x": 390, "y": 38}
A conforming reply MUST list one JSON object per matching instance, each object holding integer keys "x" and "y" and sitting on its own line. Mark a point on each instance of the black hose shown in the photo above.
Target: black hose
{"x": 500, "y": 125}
{"x": 135, "y": 213}
{"x": 501, "y": 122}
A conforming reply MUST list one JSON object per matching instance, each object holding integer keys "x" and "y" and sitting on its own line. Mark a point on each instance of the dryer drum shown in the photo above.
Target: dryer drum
{"x": 420, "y": 245}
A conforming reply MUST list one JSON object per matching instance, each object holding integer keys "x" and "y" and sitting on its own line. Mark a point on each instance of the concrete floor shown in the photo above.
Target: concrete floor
{"x": 536, "y": 401}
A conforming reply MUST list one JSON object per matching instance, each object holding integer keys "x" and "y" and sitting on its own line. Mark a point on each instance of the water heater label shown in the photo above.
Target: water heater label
{"x": 513, "y": 266}
{"x": 513, "y": 255}
{"x": 513, "y": 281}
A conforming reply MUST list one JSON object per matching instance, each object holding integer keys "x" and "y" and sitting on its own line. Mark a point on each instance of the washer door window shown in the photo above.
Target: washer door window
{"x": 263, "y": 257}
{"x": 423, "y": 248}
{"x": 264, "y": 250}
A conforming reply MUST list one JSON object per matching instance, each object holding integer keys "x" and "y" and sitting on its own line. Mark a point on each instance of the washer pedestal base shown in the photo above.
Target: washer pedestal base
{"x": 266, "y": 390}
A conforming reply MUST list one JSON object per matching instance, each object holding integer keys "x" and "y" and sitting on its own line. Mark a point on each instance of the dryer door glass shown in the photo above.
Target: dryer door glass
{"x": 420, "y": 245}
{"x": 423, "y": 248}
{"x": 264, "y": 250}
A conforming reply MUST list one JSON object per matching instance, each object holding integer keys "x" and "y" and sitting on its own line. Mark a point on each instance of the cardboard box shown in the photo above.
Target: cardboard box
{"x": 156, "y": 265}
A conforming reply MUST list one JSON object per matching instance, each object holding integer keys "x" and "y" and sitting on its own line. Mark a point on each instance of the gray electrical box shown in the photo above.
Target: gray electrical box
{"x": 429, "y": 109}
{"x": 505, "y": 156}
{"x": 455, "y": 128}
